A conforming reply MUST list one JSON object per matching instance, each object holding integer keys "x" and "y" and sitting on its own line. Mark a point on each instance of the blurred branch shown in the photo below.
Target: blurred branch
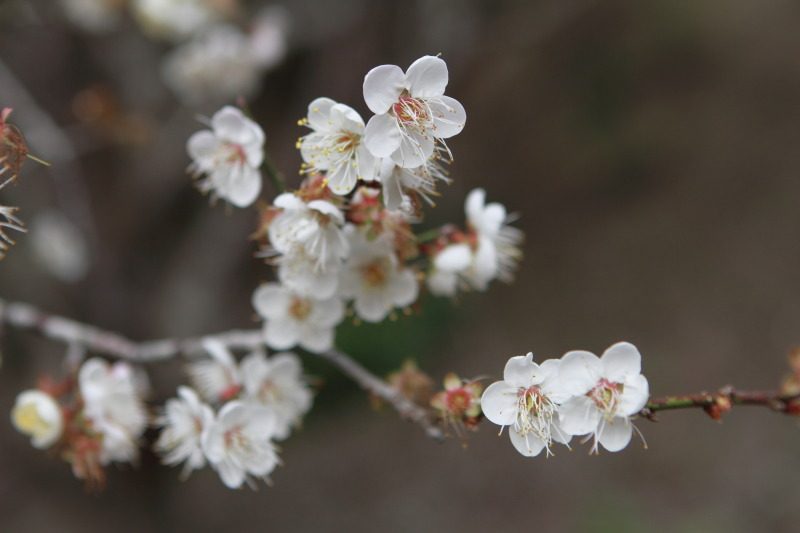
{"x": 718, "y": 403}
{"x": 27, "y": 317}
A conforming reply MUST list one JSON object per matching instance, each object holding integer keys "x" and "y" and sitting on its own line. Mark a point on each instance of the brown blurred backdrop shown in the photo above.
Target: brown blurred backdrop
{"x": 649, "y": 149}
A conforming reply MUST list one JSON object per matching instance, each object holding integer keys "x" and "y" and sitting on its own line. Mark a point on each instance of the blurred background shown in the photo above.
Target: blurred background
{"x": 648, "y": 147}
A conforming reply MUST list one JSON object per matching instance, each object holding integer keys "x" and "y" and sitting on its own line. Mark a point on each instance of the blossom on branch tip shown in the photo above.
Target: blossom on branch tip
{"x": 412, "y": 114}
{"x": 606, "y": 392}
{"x": 291, "y": 319}
{"x": 527, "y": 401}
{"x": 229, "y": 155}
{"x": 238, "y": 444}
{"x": 336, "y": 145}
{"x": 183, "y": 423}
{"x": 38, "y": 415}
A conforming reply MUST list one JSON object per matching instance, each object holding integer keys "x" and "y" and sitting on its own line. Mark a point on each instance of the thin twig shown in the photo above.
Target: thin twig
{"x": 718, "y": 403}
{"x": 27, "y": 317}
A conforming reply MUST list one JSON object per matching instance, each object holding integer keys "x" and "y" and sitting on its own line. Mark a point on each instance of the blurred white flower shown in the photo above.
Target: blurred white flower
{"x": 97, "y": 16}
{"x": 527, "y": 401}
{"x": 412, "y": 114}
{"x": 184, "y": 420}
{"x": 216, "y": 379}
{"x": 112, "y": 404}
{"x": 316, "y": 227}
{"x": 238, "y": 444}
{"x": 39, "y": 416}
{"x": 374, "y": 279}
{"x": 59, "y": 246}
{"x": 229, "y": 154}
{"x": 448, "y": 266}
{"x": 269, "y": 36}
{"x": 277, "y": 383}
{"x": 496, "y": 249}
{"x": 174, "y": 19}
{"x": 291, "y": 319}
{"x": 298, "y": 271}
{"x": 336, "y": 146}
{"x": 8, "y": 220}
{"x": 399, "y": 182}
{"x": 606, "y": 392}
{"x": 214, "y": 67}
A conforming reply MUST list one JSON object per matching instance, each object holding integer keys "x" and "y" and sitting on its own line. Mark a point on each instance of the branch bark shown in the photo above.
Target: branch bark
{"x": 718, "y": 403}
{"x": 24, "y": 316}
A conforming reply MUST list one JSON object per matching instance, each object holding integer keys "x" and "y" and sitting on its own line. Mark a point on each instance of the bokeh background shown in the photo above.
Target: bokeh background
{"x": 650, "y": 151}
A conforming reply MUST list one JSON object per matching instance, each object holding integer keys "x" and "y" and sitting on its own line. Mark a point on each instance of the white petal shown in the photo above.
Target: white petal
{"x": 615, "y": 435}
{"x": 499, "y": 403}
{"x": 344, "y": 177}
{"x": 579, "y": 372}
{"x": 620, "y": 360}
{"x": 427, "y": 76}
{"x": 382, "y": 87}
{"x": 382, "y": 135}
{"x": 442, "y": 283}
{"x": 473, "y": 206}
{"x": 528, "y": 445}
{"x": 319, "y": 114}
{"x": 414, "y": 150}
{"x": 635, "y": 393}
{"x": 230, "y": 124}
{"x": 317, "y": 339}
{"x": 271, "y": 300}
{"x": 449, "y": 117}
{"x": 453, "y": 258}
{"x": 343, "y": 117}
{"x": 392, "y": 187}
{"x": 245, "y": 187}
{"x": 404, "y": 288}
{"x": 578, "y": 416}
{"x": 372, "y": 306}
{"x": 327, "y": 313}
{"x": 202, "y": 146}
{"x": 521, "y": 371}
{"x": 281, "y": 334}
{"x": 368, "y": 165}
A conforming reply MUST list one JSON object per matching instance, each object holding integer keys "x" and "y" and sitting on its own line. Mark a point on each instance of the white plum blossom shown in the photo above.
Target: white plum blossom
{"x": 112, "y": 404}
{"x": 336, "y": 145}
{"x": 277, "y": 383}
{"x": 269, "y": 36}
{"x": 606, "y": 392}
{"x": 397, "y": 182}
{"x": 447, "y": 267}
{"x": 412, "y": 114}
{"x": 229, "y": 154}
{"x": 59, "y": 246}
{"x": 174, "y": 19}
{"x": 374, "y": 278}
{"x": 238, "y": 444}
{"x": 527, "y": 402}
{"x": 184, "y": 420}
{"x": 38, "y": 415}
{"x": 216, "y": 379}
{"x": 216, "y": 66}
{"x": 315, "y": 227}
{"x": 291, "y": 319}
{"x": 496, "y": 250}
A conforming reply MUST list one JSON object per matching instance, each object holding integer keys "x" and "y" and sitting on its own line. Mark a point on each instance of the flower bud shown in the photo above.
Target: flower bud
{"x": 38, "y": 415}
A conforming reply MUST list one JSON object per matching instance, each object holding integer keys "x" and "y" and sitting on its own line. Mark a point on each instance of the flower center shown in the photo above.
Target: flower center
{"x": 28, "y": 419}
{"x": 375, "y": 274}
{"x": 236, "y": 439}
{"x": 300, "y": 308}
{"x": 409, "y": 110}
{"x": 232, "y": 153}
{"x": 458, "y": 401}
{"x": 535, "y": 413}
{"x": 606, "y": 395}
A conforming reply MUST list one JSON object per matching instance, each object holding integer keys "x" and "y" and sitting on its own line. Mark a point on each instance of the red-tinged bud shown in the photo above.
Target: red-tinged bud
{"x": 720, "y": 405}
{"x": 13, "y": 149}
{"x": 458, "y": 405}
{"x": 412, "y": 383}
{"x": 315, "y": 187}
{"x": 230, "y": 393}
{"x": 793, "y": 407}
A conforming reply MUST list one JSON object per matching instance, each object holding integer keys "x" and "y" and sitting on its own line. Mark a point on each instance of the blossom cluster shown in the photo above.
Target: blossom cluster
{"x": 578, "y": 395}
{"x": 344, "y": 239}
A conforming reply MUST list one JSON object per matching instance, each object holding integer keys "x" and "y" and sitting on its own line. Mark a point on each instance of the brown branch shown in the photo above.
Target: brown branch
{"x": 27, "y": 317}
{"x": 718, "y": 403}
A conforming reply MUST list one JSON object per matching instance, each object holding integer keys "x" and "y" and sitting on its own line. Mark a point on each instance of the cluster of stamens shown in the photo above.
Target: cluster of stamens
{"x": 606, "y": 395}
{"x": 535, "y": 413}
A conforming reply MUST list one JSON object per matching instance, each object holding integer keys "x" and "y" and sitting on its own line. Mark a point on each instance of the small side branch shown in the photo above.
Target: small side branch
{"x": 718, "y": 403}
{"x": 72, "y": 333}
